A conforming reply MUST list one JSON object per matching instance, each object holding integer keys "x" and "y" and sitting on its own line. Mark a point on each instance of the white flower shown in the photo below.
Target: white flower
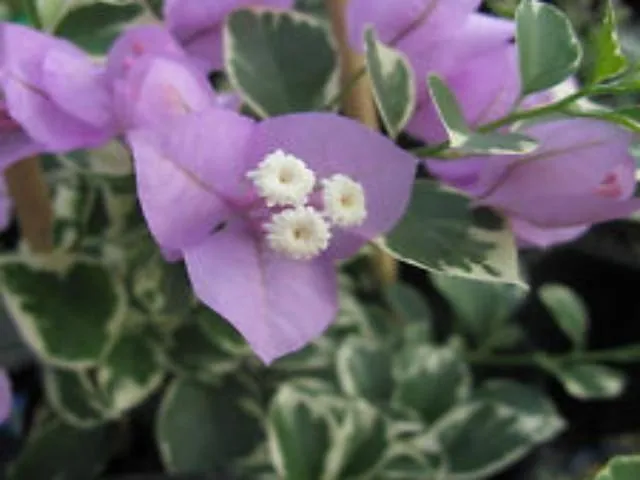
{"x": 344, "y": 201}
{"x": 282, "y": 179}
{"x": 300, "y": 233}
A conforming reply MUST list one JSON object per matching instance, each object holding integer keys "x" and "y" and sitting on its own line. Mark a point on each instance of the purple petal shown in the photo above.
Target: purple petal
{"x": 46, "y": 123}
{"x": 229, "y": 100}
{"x": 486, "y": 87}
{"x": 5, "y": 396}
{"x": 189, "y": 173}
{"x": 278, "y": 305}
{"x": 22, "y": 51}
{"x": 15, "y": 145}
{"x": 331, "y": 144}
{"x": 406, "y": 22}
{"x": 28, "y": 101}
{"x": 206, "y": 49}
{"x": 137, "y": 42}
{"x": 462, "y": 173}
{"x": 77, "y": 86}
{"x": 574, "y": 158}
{"x": 171, "y": 255}
{"x": 158, "y": 89}
{"x": 530, "y": 235}
{"x": 198, "y": 25}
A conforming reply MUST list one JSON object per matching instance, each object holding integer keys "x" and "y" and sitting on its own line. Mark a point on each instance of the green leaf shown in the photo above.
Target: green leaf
{"x": 548, "y": 47}
{"x": 430, "y": 380}
{"x": 624, "y": 467}
{"x": 56, "y": 450}
{"x": 315, "y": 7}
{"x": 568, "y": 311}
{"x": 481, "y": 439}
{"x": 298, "y": 435}
{"x": 68, "y": 309}
{"x": 201, "y": 429}
{"x": 191, "y": 352}
{"x": 130, "y": 372}
{"x": 364, "y": 369}
{"x": 96, "y": 25}
{"x": 481, "y": 308}
{"x": 439, "y": 232}
{"x": 409, "y": 303}
{"x": 279, "y": 61}
{"x": 606, "y": 51}
{"x": 31, "y": 11}
{"x": 587, "y": 381}
{"x": 531, "y": 405}
{"x": 220, "y": 332}
{"x": 156, "y": 7}
{"x": 51, "y": 12}
{"x": 627, "y": 117}
{"x": 358, "y": 444}
{"x": 74, "y": 398}
{"x": 406, "y": 462}
{"x": 393, "y": 83}
{"x": 462, "y": 138}
{"x": 162, "y": 289}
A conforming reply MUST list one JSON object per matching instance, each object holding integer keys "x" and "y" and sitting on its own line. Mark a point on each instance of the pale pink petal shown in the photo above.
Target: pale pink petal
{"x": 139, "y": 41}
{"x": 159, "y": 88}
{"x": 486, "y": 86}
{"x": 530, "y": 235}
{"x": 279, "y": 305}
{"x": 46, "y": 123}
{"x": 574, "y": 158}
{"x": 178, "y": 209}
{"x": 406, "y": 22}
{"x": 15, "y": 145}
{"x": 190, "y": 173}
{"x": 77, "y": 86}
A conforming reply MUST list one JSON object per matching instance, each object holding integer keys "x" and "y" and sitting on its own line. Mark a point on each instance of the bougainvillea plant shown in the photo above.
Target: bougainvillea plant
{"x": 213, "y": 200}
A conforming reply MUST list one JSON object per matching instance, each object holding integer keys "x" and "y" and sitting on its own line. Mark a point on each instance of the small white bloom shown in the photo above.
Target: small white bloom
{"x": 283, "y": 179}
{"x": 300, "y": 233}
{"x": 344, "y": 201}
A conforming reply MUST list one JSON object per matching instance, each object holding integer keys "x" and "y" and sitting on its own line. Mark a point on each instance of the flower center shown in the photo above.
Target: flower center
{"x": 301, "y": 233}
{"x": 283, "y": 180}
{"x": 344, "y": 201}
{"x": 293, "y": 226}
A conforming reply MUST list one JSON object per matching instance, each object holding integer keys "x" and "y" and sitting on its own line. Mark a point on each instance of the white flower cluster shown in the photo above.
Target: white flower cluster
{"x": 299, "y": 230}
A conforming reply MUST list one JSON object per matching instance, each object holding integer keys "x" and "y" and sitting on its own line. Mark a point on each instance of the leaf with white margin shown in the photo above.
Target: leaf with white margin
{"x": 279, "y": 61}
{"x": 74, "y": 398}
{"x": 358, "y": 443}
{"x": 130, "y": 372}
{"x": 298, "y": 432}
{"x": 393, "y": 83}
{"x": 548, "y": 47}
{"x": 67, "y": 308}
{"x": 441, "y": 233}
{"x": 462, "y": 138}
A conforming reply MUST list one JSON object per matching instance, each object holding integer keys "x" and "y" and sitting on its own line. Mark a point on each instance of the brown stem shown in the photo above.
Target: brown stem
{"x": 30, "y": 194}
{"x": 358, "y": 103}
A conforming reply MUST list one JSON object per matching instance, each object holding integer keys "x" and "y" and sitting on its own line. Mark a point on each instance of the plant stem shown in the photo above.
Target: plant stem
{"x": 30, "y": 194}
{"x": 356, "y": 96}
{"x": 432, "y": 150}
